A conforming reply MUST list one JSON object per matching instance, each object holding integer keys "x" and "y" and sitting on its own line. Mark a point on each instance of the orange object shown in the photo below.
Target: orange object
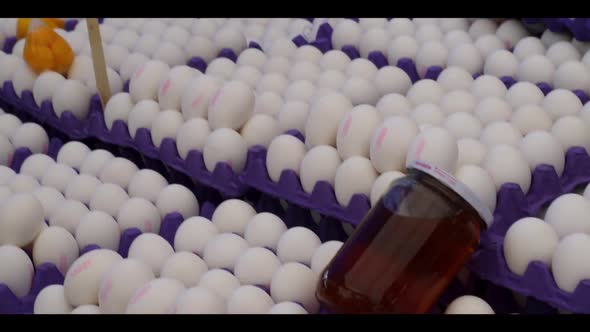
{"x": 47, "y": 50}
{"x": 23, "y": 24}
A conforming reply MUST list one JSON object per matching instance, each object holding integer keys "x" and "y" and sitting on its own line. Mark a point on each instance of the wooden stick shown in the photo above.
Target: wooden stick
{"x": 98, "y": 61}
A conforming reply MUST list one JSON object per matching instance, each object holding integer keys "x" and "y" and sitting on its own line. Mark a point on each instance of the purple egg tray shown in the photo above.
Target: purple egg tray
{"x": 578, "y": 27}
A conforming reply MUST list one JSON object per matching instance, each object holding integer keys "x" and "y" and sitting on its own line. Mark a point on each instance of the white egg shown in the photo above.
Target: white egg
{"x": 549, "y": 37}
{"x": 277, "y": 65}
{"x": 524, "y": 93}
{"x": 225, "y": 145}
{"x": 560, "y": 102}
{"x": 21, "y": 219}
{"x": 94, "y": 161}
{"x": 173, "y": 85}
{"x": 284, "y": 152}
{"x": 356, "y": 167}
{"x": 300, "y": 90}
{"x": 252, "y": 57}
{"x": 388, "y": 152}
{"x": 36, "y": 164}
{"x": 428, "y": 32}
{"x": 562, "y": 52}
{"x": 500, "y": 133}
{"x": 157, "y": 296}
{"x": 393, "y": 104}
{"x": 454, "y": 38}
{"x": 118, "y": 171}
{"x": 425, "y": 91}
{"x": 402, "y": 47}
{"x": 23, "y": 184}
{"x": 230, "y": 38}
{"x": 373, "y": 39}
{"x": 87, "y": 309}
{"x": 200, "y": 300}
{"x": 256, "y": 266}
{"x": 82, "y": 282}
{"x": 457, "y": 101}
{"x": 17, "y": 273}
{"x": 176, "y": 34}
{"x": 151, "y": 249}
{"x": 8, "y": 65}
{"x": 355, "y": 131}
{"x": 540, "y": 147}
{"x": 170, "y": 53}
{"x": 293, "y": 115}
{"x": 568, "y": 266}
{"x": 147, "y": 184}
{"x": 501, "y": 63}
{"x": 147, "y": 45}
{"x": 68, "y": 215}
{"x": 463, "y": 125}
{"x": 268, "y": 102}
{"x": 73, "y": 154}
{"x": 193, "y": 234}
{"x": 9, "y": 124}
{"x": 319, "y": 164}
{"x": 81, "y": 188}
{"x": 469, "y": 304}
{"x": 247, "y": 74}
{"x": 455, "y": 78}
{"x": 117, "y": 108}
{"x": 108, "y": 198}
{"x": 232, "y": 216}
{"x": 177, "y": 198}
{"x": 506, "y": 164}
{"x": 566, "y": 215}
{"x": 488, "y": 44}
{"x": 528, "y": 47}
{"x": 287, "y": 308}
{"x": 131, "y": 63}
{"x": 23, "y": 78}
{"x": 57, "y": 246}
{"x": 347, "y": 32}
{"x": 360, "y": 91}
{"x": 222, "y": 251}
{"x": 98, "y": 228}
{"x": 202, "y": 47}
{"x": 220, "y": 281}
{"x": 232, "y": 106}
{"x": 307, "y": 53}
{"x": 572, "y": 75}
{"x": 434, "y": 145}
{"x": 46, "y": 85}
{"x": 50, "y": 199}
{"x": 361, "y": 68}
{"x": 221, "y": 68}
{"x": 139, "y": 213}
{"x": 401, "y": 26}
{"x": 323, "y": 255}
{"x": 571, "y": 131}
{"x": 197, "y": 95}
{"x": 32, "y": 136}
{"x": 264, "y": 230}
{"x": 120, "y": 283}
{"x": 146, "y": 78}
{"x": 480, "y": 183}
{"x": 73, "y": 96}
{"x": 527, "y": 240}
{"x": 272, "y": 82}
{"x": 492, "y": 109}
{"x": 52, "y": 300}
{"x": 536, "y": 69}
{"x": 185, "y": 267}
{"x": 431, "y": 53}
{"x": 488, "y": 86}
{"x": 297, "y": 283}
{"x": 471, "y": 152}
{"x": 249, "y": 300}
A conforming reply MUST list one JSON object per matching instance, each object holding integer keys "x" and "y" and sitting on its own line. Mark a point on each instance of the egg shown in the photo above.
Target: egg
{"x": 360, "y": 91}
{"x": 221, "y": 68}
{"x": 520, "y": 251}
{"x": 530, "y": 118}
{"x": 287, "y": 308}
{"x": 131, "y": 63}
{"x": 118, "y": 171}
{"x": 457, "y": 101}
{"x": 222, "y": 251}
{"x": 268, "y": 102}
{"x": 355, "y": 131}
{"x": 569, "y": 268}
{"x": 197, "y": 95}
{"x": 185, "y": 267}
{"x": 120, "y": 283}
{"x": 562, "y": 52}
{"x": 276, "y": 68}
{"x": 434, "y": 145}
{"x": 202, "y": 47}
{"x": 500, "y": 132}
{"x": 23, "y": 78}
{"x": 46, "y": 85}
{"x": 82, "y": 280}
{"x": 170, "y": 53}
{"x": 230, "y": 38}
{"x": 572, "y": 75}
{"x": 177, "y": 198}
{"x": 429, "y": 54}
{"x": 347, "y": 32}
{"x": 401, "y": 26}
{"x": 52, "y": 300}
{"x": 471, "y": 152}
{"x": 362, "y": 68}
{"x": 247, "y": 74}
{"x": 6, "y": 151}
{"x": 147, "y": 184}
{"x": 297, "y": 283}
{"x": 396, "y": 144}
{"x": 323, "y": 255}
{"x": 94, "y": 161}
{"x": 108, "y": 198}
{"x": 21, "y": 219}
{"x": 157, "y": 296}
{"x": 402, "y": 47}
{"x": 73, "y": 154}
{"x": 222, "y": 282}
{"x": 231, "y": 106}
{"x": 146, "y": 44}
{"x": 282, "y": 47}
{"x": 428, "y": 32}
{"x": 81, "y": 188}
{"x": 549, "y": 37}
{"x": 57, "y": 246}
{"x": 146, "y": 79}
{"x": 506, "y": 164}
{"x": 493, "y": 109}
{"x": 176, "y": 34}
{"x": 571, "y": 131}
{"x": 488, "y": 44}
{"x": 9, "y": 124}
{"x": 151, "y": 249}
{"x": 8, "y": 65}
{"x": 466, "y": 56}
{"x": 249, "y": 300}
{"x": 393, "y": 104}
{"x": 264, "y": 230}
{"x": 98, "y": 228}
{"x": 425, "y": 91}
{"x": 73, "y": 96}
{"x": 252, "y": 57}
{"x": 454, "y": 38}
{"x": 17, "y": 273}
{"x": 300, "y": 90}
{"x": 272, "y": 82}
{"x": 540, "y": 147}
{"x": 193, "y": 234}
{"x": 358, "y": 167}
{"x": 480, "y": 183}
{"x": 139, "y": 213}
{"x": 561, "y": 102}
{"x": 565, "y": 214}
{"x": 50, "y": 199}
{"x": 23, "y": 184}
{"x": 488, "y": 86}
{"x": 225, "y": 145}
{"x": 319, "y": 164}
{"x": 200, "y": 300}
{"x": 307, "y": 53}
{"x": 469, "y": 304}
{"x": 527, "y": 47}
{"x": 256, "y": 266}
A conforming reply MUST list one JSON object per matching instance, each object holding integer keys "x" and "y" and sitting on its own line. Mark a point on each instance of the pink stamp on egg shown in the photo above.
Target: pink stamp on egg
{"x": 140, "y": 294}
{"x": 347, "y": 124}
{"x": 166, "y": 86}
{"x": 82, "y": 267}
{"x": 381, "y": 137}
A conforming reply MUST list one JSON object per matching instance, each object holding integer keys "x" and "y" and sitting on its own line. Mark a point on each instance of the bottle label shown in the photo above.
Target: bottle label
{"x": 456, "y": 185}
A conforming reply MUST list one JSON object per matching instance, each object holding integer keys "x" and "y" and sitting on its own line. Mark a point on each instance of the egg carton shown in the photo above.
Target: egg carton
{"x": 9, "y": 42}
{"x": 578, "y": 27}
{"x": 537, "y": 282}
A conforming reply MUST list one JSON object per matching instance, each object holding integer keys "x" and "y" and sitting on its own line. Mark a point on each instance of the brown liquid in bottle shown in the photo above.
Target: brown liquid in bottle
{"x": 405, "y": 253}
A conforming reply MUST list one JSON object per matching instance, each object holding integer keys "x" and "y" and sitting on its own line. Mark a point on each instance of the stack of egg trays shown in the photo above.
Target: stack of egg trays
{"x": 578, "y": 27}
{"x": 10, "y": 41}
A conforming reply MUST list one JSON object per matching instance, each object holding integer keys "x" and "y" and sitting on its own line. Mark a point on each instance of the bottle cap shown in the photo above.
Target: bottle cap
{"x": 456, "y": 185}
